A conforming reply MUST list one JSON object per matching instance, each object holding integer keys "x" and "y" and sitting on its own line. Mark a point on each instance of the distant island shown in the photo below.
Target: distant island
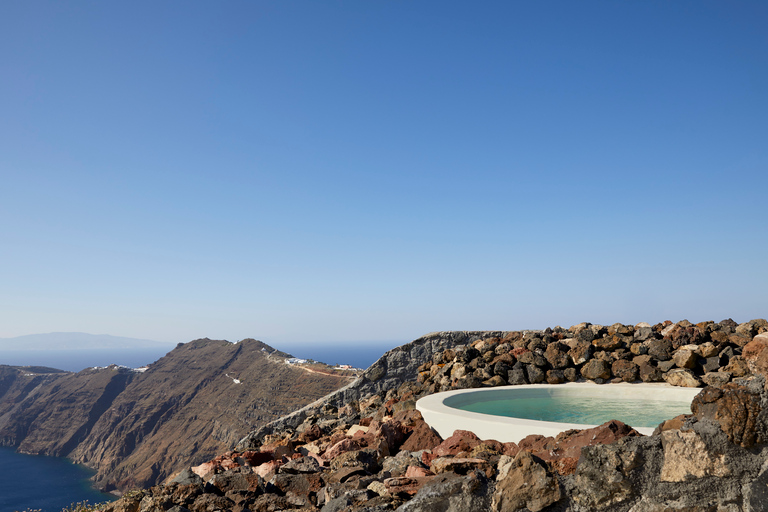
{"x": 78, "y": 341}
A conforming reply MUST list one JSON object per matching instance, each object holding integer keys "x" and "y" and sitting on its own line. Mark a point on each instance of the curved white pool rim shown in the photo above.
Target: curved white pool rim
{"x": 438, "y": 413}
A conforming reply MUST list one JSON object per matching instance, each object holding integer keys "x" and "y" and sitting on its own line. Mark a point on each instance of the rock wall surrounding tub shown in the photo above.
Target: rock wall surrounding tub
{"x": 682, "y": 354}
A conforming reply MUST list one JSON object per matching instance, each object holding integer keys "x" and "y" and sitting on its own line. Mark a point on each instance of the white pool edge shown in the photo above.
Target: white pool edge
{"x": 445, "y": 419}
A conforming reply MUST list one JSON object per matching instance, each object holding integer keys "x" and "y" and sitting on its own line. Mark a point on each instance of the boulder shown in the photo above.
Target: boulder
{"x": 556, "y": 355}
{"x": 681, "y": 377}
{"x": 596, "y": 369}
{"x": 563, "y": 452}
{"x": 423, "y": 437}
{"x": 661, "y": 350}
{"x": 602, "y": 476}
{"x": 736, "y": 409}
{"x": 524, "y": 483}
{"x": 716, "y": 379}
{"x": 450, "y": 492}
{"x": 685, "y": 358}
{"x": 460, "y": 441}
{"x": 737, "y": 366}
{"x": 516, "y": 375}
{"x": 609, "y": 343}
{"x": 581, "y": 352}
{"x": 686, "y": 456}
{"x": 755, "y": 354}
{"x": 405, "y": 486}
{"x": 534, "y": 374}
{"x": 343, "y": 446}
{"x": 301, "y": 465}
{"x": 625, "y": 370}
{"x": 555, "y": 377}
{"x": 460, "y": 465}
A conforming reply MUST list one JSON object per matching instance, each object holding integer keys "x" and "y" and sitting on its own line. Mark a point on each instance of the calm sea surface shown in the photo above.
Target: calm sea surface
{"x": 44, "y": 483}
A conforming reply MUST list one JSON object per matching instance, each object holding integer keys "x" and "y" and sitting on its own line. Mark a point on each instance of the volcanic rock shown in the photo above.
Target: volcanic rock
{"x": 681, "y": 377}
{"x": 524, "y": 483}
{"x": 596, "y": 369}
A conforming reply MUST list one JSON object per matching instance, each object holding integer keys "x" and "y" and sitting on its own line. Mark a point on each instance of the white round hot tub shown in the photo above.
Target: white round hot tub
{"x": 510, "y": 413}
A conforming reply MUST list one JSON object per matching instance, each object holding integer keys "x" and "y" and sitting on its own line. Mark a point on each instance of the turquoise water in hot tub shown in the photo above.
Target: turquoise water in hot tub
{"x": 583, "y": 410}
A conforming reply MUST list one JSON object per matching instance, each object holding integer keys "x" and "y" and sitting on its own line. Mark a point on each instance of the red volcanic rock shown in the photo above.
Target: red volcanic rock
{"x": 460, "y": 441}
{"x": 534, "y": 442}
{"x": 313, "y": 433}
{"x": 510, "y": 449}
{"x": 409, "y": 417}
{"x": 345, "y": 445}
{"x": 392, "y": 432}
{"x": 271, "y": 467}
{"x": 405, "y": 485}
{"x": 416, "y": 471}
{"x": 206, "y": 469}
{"x": 562, "y": 452}
{"x": 519, "y": 351}
{"x": 423, "y": 437}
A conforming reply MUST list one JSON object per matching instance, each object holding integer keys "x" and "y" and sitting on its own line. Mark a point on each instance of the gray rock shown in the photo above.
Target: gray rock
{"x": 756, "y": 491}
{"x": 301, "y": 465}
{"x": 716, "y": 379}
{"x": 596, "y": 369}
{"x": 187, "y": 477}
{"x": 660, "y": 350}
{"x": 602, "y": 476}
{"x": 643, "y": 333}
{"x": 449, "y": 492}
{"x": 534, "y": 374}
{"x": 516, "y": 375}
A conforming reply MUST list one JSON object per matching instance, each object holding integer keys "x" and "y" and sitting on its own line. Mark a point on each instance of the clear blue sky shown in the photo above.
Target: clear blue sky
{"x": 307, "y": 171}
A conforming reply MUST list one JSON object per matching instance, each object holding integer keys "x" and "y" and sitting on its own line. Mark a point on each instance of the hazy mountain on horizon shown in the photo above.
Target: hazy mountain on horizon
{"x": 78, "y": 341}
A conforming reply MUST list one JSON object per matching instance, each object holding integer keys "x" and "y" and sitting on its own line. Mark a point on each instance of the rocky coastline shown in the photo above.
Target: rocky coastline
{"x": 366, "y": 448}
{"x": 136, "y": 428}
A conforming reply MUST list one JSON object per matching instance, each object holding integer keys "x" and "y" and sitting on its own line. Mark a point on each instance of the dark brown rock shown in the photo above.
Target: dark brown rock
{"x": 596, "y": 369}
{"x": 581, "y": 352}
{"x": 661, "y": 350}
{"x": 609, "y": 342}
{"x": 555, "y": 377}
{"x": 736, "y": 409}
{"x": 625, "y": 370}
{"x": 556, "y": 355}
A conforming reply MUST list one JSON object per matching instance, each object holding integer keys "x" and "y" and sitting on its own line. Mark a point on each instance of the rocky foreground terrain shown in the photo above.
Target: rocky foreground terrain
{"x": 136, "y": 428}
{"x": 366, "y": 448}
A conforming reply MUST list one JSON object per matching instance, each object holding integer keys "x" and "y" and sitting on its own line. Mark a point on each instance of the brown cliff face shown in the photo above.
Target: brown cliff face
{"x": 136, "y": 429}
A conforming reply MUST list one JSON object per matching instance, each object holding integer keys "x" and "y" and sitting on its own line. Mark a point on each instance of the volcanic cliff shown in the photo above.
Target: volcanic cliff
{"x": 137, "y": 427}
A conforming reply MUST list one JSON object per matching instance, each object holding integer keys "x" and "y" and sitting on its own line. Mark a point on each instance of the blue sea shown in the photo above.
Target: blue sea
{"x": 43, "y": 483}
{"x": 359, "y": 355}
